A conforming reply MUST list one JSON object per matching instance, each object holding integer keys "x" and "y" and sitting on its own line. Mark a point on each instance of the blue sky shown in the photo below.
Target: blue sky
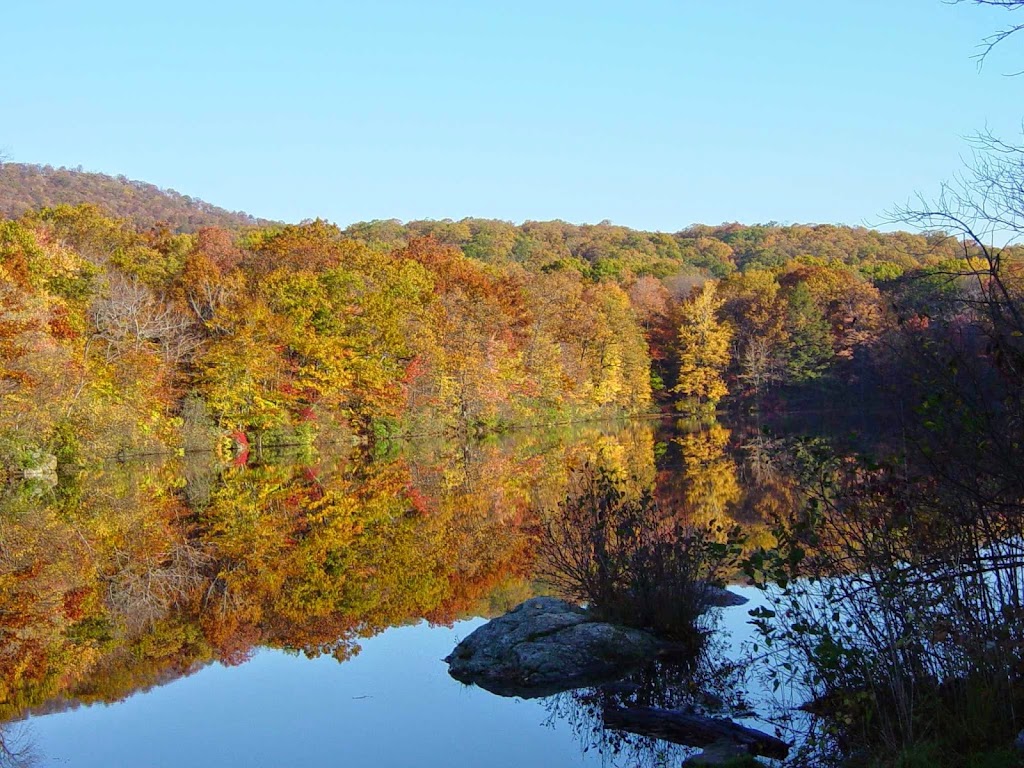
{"x": 650, "y": 114}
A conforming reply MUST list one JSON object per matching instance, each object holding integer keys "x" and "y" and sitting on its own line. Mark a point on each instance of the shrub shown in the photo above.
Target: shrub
{"x": 632, "y": 562}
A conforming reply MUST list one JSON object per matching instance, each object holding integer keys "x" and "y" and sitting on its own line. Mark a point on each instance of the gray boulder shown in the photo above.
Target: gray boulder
{"x": 546, "y": 646}
{"x": 39, "y": 465}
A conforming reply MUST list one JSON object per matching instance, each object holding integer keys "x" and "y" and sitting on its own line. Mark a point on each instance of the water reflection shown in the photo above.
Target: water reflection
{"x": 709, "y": 685}
{"x": 123, "y": 578}
{"x": 17, "y": 746}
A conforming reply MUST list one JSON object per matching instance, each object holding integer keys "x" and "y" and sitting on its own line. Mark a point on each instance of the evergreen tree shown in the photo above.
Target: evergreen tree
{"x": 810, "y": 337}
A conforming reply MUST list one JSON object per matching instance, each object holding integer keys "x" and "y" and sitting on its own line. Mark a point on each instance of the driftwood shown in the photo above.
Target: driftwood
{"x": 692, "y": 730}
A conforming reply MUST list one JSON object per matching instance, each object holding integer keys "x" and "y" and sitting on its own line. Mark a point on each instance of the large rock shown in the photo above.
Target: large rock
{"x": 39, "y": 465}
{"x": 546, "y": 646}
{"x": 39, "y": 469}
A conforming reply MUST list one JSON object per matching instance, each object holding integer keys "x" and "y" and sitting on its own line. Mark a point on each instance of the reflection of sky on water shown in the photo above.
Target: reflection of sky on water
{"x": 392, "y": 705}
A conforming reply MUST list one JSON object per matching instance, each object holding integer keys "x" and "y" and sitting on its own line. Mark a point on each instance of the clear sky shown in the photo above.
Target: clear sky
{"x": 651, "y": 113}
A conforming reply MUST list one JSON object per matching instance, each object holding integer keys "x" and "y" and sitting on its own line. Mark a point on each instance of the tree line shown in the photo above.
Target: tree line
{"x": 117, "y": 339}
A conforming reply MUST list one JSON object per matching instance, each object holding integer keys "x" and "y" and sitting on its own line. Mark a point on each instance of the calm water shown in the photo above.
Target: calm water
{"x": 295, "y": 610}
{"x": 392, "y": 705}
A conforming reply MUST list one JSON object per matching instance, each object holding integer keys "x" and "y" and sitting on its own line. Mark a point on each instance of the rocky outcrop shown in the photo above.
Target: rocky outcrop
{"x": 40, "y": 465}
{"x": 546, "y": 646}
{"x": 36, "y": 467}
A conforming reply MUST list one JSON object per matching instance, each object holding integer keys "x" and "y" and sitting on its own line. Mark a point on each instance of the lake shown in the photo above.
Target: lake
{"x": 392, "y": 705}
{"x": 294, "y": 609}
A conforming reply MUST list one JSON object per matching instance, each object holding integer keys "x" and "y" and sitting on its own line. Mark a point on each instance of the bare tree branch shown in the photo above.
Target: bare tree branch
{"x": 983, "y": 206}
{"x": 990, "y": 42}
{"x": 131, "y": 317}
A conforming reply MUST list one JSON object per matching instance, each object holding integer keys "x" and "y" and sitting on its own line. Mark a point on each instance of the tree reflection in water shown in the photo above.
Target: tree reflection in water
{"x": 127, "y": 576}
{"x": 17, "y": 748}
{"x": 709, "y": 684}
{"x": 130, "y": 576}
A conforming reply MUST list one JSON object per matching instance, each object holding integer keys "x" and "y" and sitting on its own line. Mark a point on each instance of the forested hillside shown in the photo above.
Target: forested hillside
{"x": 606, "y": 250}
{"x": 25, "y": 187}
{"x": 117, "y": 338}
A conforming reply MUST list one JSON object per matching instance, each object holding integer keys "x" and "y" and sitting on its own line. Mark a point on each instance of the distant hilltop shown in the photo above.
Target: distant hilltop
{"x": 597, "y": 251}
{"x": 25, "y": 186}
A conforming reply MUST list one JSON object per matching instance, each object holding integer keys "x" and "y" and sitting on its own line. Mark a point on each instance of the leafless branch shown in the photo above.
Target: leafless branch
{"x": 131, "y": 317}
{"x": 989, "y": 43}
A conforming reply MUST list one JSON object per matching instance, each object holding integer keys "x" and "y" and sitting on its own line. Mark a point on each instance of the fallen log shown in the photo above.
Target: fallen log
{"x": 692, "y": 730}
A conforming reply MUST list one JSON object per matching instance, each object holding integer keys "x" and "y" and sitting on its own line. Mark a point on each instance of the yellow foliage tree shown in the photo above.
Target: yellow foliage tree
{"x": 703, "y": 350}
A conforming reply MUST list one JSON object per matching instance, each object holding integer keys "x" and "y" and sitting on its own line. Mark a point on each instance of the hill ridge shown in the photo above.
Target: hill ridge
{"x": 29, "y": 186}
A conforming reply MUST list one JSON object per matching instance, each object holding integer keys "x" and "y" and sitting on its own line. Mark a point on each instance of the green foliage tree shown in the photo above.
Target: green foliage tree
{"x": 809, "y": 348}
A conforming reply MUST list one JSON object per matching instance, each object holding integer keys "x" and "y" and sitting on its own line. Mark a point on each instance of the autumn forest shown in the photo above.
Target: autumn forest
{"x": 572, "y": 385}
{"x": 121, "y": 340}
{"x": 220, "y": 435}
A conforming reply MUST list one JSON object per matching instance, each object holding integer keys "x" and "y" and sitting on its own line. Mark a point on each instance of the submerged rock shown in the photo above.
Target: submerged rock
{"x": 546, "y": 646}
